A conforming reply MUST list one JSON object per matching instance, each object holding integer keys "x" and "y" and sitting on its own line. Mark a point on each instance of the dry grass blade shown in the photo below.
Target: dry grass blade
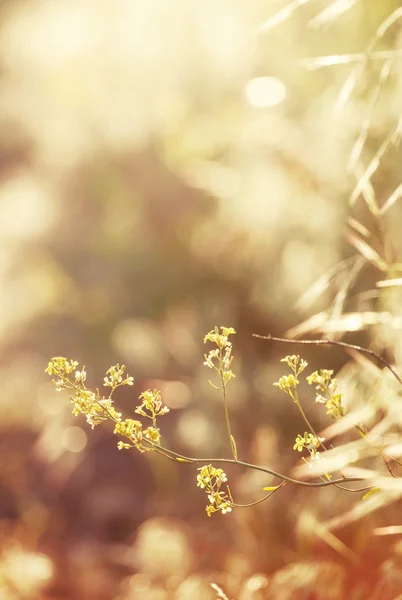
{"x": 385, "y": 283}
{"x": 311, "y": 295}
{"x": 336, "y": 459}
{"x": 367, "y": 191}
{"x": 361, "y": 58}
{"x": 390, "y": 530}
{"x": 349, "y": 85}
{"x": 365, "y": 300}
{"x": 359, "y": 227}
{"x": 314, "y": 323}
{"x": 358, "y": 321}
{"x": 372, "y": 370}
{"x": 384, "y": 482}
{"x": 331, "y": 13}
{"x": 362, "y": 509}
{"x": 367, "y": 251}
{"x": 308, "y": 522}
{"x": 348, "y": 422}
{"x": 372, "y": 167}
{"x": 387, "y": 23}
{"x": 353, "y": 321}
{"x": 282, "y": 15}
{"x": 220, "y": 593}
{"x": 341, "y": 296}
{"x": 332, "y": 60}
{"x": 363, "y": 185}
{"x": 362, "y": 137}
{"x": 359, "y": 69}
{"x": 394, "y": 197}
{"x": 382, "y": 386}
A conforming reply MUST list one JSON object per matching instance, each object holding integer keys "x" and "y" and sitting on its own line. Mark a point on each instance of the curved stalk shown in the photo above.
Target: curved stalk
{"x": 171, "y": 455}
{"x": 333, "y": 343}
{"x": 225, "y": 405}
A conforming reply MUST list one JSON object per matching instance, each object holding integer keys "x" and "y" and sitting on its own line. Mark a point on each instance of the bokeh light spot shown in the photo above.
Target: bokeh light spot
{"x": 256, "y": 583}
{"x": 176, "y": 394}
{"x": 74, "y": 439}
{"x": 37, "y": 569}
{"x": 26, "y": 207}
{"x": 194, "y": 430}
{"x": 264, "y": 92}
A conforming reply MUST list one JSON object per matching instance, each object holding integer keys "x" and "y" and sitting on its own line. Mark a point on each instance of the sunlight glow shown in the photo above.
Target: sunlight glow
{"x": 264, "y": 92}
{"x": 74, "y": 439}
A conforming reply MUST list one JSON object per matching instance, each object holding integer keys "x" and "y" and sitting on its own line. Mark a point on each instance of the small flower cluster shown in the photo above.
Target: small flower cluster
{"x": 151, "y": 402}
{"x": 326, "y": 388}
{"x": 309, "y": 442}
{"x": 60, "y": 365}
{"x": 62, "y": 368}
{"x": 221, "y": 358}
{"x": 116, "y": 377}
{"x": 289, "y": 383}
{"x": 133, "y": 431}
{"x": 151, "y": 408}
{"x": 97, "y": 408}
{"x": 211, "y": 480}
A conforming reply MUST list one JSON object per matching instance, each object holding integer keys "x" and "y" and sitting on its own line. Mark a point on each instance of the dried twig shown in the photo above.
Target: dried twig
{"x": 333, "y": 343}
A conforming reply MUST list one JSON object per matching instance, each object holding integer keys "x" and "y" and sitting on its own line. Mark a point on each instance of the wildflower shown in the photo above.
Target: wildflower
{"x": 220, "y": 339}
{"x": 131, "y": 429}
{"x": 309, "y": 442}
{"x": 80, "y": 376}
{"x": 299, "y": 445}
{"x": 61, "y": 366}
{"x": 288, "y": 384}
{"x": 295, "y": 363}
{"x": 326, "y": 388}
{"x": 211, "y": 358}
{"x": 221, "y": 357}
{"x": 124, "y": 446}
{"x": 211, "y": 479}
{"x": 334, "y": 406}
{"x": 151, "y": 405}
{"x": 152, "y": 434}
{"x": 217, "y": 504}
{"x": 115, "y": 377}
{"x": 227, "y": 358}
{"x": 321, "y": 378}
{"x": 95, "y": 409}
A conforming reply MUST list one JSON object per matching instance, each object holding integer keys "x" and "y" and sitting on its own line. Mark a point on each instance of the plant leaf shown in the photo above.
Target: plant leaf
{"x": 369, "y": 493}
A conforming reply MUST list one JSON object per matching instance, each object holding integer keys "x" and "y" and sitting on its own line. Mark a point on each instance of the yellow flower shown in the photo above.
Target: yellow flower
{"x": 310, "y": 442}
{"x": 212, "y": 479}
{"x": 287, "y": 383}
{"x": 132, "y": 430}
{"x": 152, "y": 434}
{"x": 293, "y": 361}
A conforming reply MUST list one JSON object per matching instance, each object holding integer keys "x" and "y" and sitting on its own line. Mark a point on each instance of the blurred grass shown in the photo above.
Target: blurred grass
{"x": 145, "y": 196}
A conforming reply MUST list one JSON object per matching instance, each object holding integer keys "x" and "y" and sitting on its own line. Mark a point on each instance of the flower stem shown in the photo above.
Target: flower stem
{"x": 225, "y": 405}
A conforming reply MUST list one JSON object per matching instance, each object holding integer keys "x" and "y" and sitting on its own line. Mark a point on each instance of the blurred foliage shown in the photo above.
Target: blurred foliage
{"x": 165, "y": 166}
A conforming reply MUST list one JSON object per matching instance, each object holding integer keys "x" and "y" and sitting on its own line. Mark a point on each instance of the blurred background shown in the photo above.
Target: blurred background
{"x": 165, "y": 167}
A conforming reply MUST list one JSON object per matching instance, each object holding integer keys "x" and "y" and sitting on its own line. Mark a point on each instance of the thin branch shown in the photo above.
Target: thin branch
{"x": 190, "y": 459}
{"x": 171, "y": 455}
{"x": 261, "y": 499}
{"x": 333, "y": 343}
{"x": 226, "y": 409}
